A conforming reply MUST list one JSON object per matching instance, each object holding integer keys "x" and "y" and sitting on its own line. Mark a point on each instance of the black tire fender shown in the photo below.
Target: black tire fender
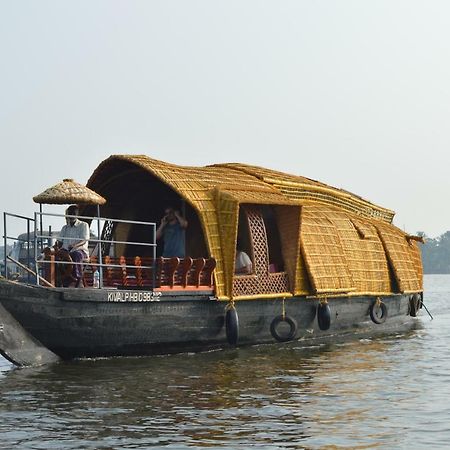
{"x": 324, "y": 315}
{"x": 232, "y": 325}
{"x": 415, "y": 303}
{"x": 283, "y": 337}
{"x": 374, "y": 308}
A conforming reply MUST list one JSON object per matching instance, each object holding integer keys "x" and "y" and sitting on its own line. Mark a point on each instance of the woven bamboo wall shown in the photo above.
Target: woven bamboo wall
{"x": 288, "y": 220}
{"x": 363, "y": 250}
{"x": 323, "y": 253}
{"x": 228, "y": 214}
{"x": 404, "y": 257}
{"x": 416, "y": 257}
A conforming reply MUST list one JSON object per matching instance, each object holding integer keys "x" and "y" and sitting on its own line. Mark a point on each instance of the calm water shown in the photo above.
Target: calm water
{"x": 390, "y": 392}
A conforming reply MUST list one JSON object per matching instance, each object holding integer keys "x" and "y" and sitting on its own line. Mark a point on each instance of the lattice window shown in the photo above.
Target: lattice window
{"x": 261, "y": 281}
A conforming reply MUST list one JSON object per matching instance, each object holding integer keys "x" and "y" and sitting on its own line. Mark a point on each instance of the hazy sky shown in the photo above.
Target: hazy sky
{"x": 353, "y": 93}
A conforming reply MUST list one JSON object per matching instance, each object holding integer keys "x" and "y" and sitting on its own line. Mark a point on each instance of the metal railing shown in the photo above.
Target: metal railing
{"x": 39, "y": 236}
{"x": 7, "y": 238}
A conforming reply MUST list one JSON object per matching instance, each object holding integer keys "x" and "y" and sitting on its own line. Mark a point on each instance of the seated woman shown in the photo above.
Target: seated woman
{"x": 243, "y": 264}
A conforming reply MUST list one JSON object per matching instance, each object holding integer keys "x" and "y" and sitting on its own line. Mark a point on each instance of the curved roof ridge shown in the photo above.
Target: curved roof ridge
{"x": 280, "y": 187}
{"x": 251, "y": 169}
{"x": 297, "y": 187}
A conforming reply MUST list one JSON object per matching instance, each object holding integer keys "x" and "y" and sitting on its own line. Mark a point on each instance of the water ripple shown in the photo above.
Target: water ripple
{"x": 388, "y": 392}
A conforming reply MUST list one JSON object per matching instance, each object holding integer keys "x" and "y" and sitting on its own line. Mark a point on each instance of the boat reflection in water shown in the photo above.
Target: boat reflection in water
{"x": 326, "y": 394}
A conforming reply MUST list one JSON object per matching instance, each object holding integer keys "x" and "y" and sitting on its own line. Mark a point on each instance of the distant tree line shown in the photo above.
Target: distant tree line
{"x": 436, "y": 253}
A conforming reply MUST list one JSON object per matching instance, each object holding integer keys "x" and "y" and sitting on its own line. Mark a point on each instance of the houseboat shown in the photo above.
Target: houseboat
{"x": 323, "y": 262}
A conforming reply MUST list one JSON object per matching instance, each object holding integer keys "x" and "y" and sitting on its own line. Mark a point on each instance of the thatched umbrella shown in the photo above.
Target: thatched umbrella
{"x": 67, "y": 192}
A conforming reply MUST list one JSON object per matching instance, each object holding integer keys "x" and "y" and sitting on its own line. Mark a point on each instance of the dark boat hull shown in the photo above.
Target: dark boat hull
{"x": 76, "y": 323}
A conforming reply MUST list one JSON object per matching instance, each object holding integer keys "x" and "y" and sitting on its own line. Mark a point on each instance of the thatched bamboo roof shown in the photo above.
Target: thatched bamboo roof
{"x": 326, "y": 223}
{"x": 244, "y": 182}
{"x": 69, "y": 191}
{"x": 305, "y": 189}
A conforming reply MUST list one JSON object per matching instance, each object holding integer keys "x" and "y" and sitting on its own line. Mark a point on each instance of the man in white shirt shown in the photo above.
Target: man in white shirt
{"x": 243, "y": 263}
{"x": 74, "y": 238}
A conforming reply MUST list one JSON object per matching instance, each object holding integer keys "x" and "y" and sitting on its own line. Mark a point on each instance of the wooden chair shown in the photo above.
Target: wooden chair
{"x": 181, "y": 278}
{"x": 131, "y": 276}
{"x": 144, "y": 273}
{"x": 206, "y": 275}
{"x": 114, "y": 276}
{"x": 194, "y": 274}
{"x": 165, "y": 273}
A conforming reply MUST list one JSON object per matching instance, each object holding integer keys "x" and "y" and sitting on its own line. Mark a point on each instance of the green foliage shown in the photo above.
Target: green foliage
{"x": 436, "y": 253}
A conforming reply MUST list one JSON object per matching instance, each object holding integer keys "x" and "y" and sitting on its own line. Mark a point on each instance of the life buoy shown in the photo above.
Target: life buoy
{"x": 378, "y": 312}
{"x": 282, "y": 337}
{"x": 324, "y": 315}
{"x": 232, "y": 325}
{"x": 415, "y": 303}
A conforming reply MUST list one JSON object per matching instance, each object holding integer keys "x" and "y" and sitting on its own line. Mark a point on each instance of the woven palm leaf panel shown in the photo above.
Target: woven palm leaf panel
{"x": 363, "y": 250}
{"x": 288, "y": 219}
{"x": 261, "y": 282}
{"x": 374, "y": 269}
{"x": 228, "y": 215}
{"x": 229, "y": 200}
{"x": 323, "y": 253}
{"x": 304, "y": 189}
{"x": 245, "y": 285}
{"x": 416, "y": 257}
{"x": 403, "y": 256}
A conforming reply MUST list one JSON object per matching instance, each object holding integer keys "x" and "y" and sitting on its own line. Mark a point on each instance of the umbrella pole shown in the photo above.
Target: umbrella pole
{"x": 40, "y": 223}
{"x": 99, "y": 247}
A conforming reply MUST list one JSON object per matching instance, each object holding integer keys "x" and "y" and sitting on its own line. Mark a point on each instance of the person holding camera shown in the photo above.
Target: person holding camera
{"x": 173, "y": 230}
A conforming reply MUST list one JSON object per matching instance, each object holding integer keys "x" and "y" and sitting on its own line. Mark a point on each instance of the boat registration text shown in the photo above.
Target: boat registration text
{"x": 133, "y": 296}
